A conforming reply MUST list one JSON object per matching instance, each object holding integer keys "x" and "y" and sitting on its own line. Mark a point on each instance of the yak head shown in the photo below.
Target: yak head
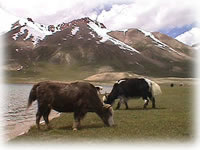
{"x": 110, "y": 98}
{"x": 107, "y": 116}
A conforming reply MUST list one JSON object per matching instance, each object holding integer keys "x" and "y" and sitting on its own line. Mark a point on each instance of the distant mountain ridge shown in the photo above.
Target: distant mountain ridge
{"x": 88, "y": 44}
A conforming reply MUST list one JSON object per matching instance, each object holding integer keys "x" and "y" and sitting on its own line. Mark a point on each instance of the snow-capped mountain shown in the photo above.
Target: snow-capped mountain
{"x": 85, "y": 42}
{"x": 190, "y": 37}
{"x": 37, "y": 32}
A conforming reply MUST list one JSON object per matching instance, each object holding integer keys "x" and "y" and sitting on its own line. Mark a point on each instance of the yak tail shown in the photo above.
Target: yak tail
{"x": 155, "y": 88}
{"x": 32, "y": 95}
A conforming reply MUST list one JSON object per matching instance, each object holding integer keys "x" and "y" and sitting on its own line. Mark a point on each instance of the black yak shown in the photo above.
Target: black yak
{"x": 133, "y": 88}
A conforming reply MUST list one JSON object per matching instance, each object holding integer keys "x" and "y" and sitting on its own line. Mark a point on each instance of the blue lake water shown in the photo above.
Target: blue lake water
{"x": 15, "y": 115}
{"x": 16, "y": 102}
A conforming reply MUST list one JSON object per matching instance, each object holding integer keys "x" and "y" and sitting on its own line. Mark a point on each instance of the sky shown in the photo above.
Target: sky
{"x": 172, "y": 17}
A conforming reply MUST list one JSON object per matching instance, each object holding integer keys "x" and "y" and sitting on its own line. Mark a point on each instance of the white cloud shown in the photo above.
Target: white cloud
{"x": 190, "y": 37}
{"x": 35, "y": 8}
{"x": 115, "y": 14}
{"x": 150, "y": 15}
{"x": 6, "y": 21}
{"x": 53, "y": 10}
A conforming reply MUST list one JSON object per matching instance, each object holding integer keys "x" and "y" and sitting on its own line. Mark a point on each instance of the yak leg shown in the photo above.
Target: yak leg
{"x": 146, "y": 101}
{"x": 38, "y": 117}
{"x": 126, "y": 104}
{"x": 119, "y": 103}
{"x": 46, "y": 119}
{"x": 77, "y": 119}
{"x": 153, "y": 102}
{"x": 76, "y": 124}
{"x": 152, "y": 98}
{"x": 42, "y": 111}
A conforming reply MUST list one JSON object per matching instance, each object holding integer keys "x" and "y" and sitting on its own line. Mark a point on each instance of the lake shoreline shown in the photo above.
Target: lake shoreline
{"x": 24, "y": 127}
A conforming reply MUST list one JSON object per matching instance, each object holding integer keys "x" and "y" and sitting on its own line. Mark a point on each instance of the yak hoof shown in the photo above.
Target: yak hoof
{"x": 75, "y": 129}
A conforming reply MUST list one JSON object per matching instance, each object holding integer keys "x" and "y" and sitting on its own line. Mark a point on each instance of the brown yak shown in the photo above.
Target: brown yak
{"x": 77, "y": 97}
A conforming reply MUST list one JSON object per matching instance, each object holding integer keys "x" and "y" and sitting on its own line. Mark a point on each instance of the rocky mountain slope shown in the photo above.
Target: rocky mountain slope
{"x": 86, "y": 45}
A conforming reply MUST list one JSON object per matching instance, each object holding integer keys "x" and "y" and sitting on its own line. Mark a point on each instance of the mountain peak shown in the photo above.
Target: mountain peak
{"x": 30, "y": 19}
{"x": 79, "y": 22}
{"x": 22, "y": 22}
{"x": 27, "y": 29}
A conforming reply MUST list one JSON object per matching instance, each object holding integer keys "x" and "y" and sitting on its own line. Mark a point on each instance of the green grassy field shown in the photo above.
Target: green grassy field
{"x": 172, "y": 121}
{"x": 51, "y": 72}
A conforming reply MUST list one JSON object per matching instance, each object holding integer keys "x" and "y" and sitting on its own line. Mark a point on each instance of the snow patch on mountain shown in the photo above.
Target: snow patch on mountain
{"x": 158, "y": 42}
{"x": 35, "y": 31}
{"x": 92, "y": 34}
{"x": 31, "y": 33}
{"x": 102, "y": 32}
{"x": 75, "y": 30}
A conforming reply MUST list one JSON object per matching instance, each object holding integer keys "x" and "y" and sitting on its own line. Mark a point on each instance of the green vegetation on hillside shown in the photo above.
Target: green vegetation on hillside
{"x": 48, "y": 71}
